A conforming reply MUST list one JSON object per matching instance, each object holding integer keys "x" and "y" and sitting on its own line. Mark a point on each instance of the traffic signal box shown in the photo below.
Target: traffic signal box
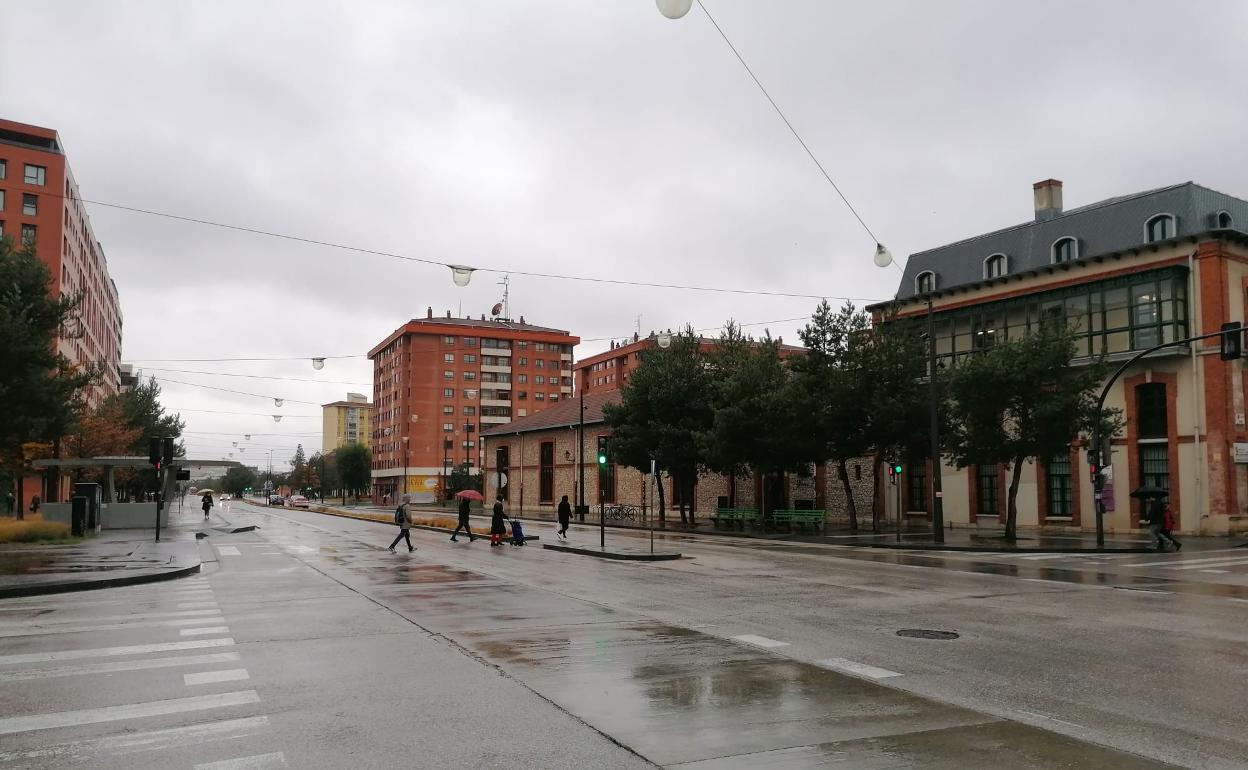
{"x": 894, "y": 471}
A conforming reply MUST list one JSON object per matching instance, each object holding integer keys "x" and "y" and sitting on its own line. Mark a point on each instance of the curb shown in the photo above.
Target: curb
{"x": 12, "y": 592}
{"x": 903, "y": 546}
{"x": 617, "y": 555}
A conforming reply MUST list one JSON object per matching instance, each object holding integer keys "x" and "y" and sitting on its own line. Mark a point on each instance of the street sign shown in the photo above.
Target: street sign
{"x": 1241, "y": 453}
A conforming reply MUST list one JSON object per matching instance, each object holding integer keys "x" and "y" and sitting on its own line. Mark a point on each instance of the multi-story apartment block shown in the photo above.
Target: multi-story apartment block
{"x": 437, "y": 382}
{"x": 40, "y": 207}
{"x": 346, "y": 422}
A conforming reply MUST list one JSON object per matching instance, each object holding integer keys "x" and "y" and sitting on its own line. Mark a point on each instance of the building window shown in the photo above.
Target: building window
{"x": 448, "y": 374}
{"x": 37, "y": 175}
{"x": 4, "y": 168}
{"x": 522, "y": 344}
{"x": 469, "y": 393}
{"x": 470, "y": 375}
{"x": 1145, "y": 317}
{"x": 470, "y": 342}
{"x": 1159, "y": 228}
{"x": 448, "y": 427}
{"x": 539, "y": 396}
{"x": 469, "y": 358}
{"x": 917, "y": 489}
{"x": 522, "y": 379}
{"x": 985, "y": 332}
{"x": 1152, "y": 427}
{"x": 448, "y": 393}
{"x": 30, "y": 204}
{"x": 470, "y": 427}
{"x": 522, "y": 394}
{"x": 987, "y": 490}
{"x": 539, "y": 379}
{"x": 448, "y": 340}
{"x": 523, "y": 361}
{"x": 470, "y": 411}
{"x": 546, "y": 473}
{"x": 448, "y": 358}
{"x": 28, "y": 235}
{"x": 539, "y": 346}
{"x": 448, "y": 410}
{"x": 1065, "y": 250}
{"x": 540, "y": 363}
{"x": 925, "y": 282}
{"x": 470, "y": 444}
{"x": 1059, "y": 489}
{"x": 554, "y": 397}
{"x": 502, "y": 464}
{"x": 994, "y": 266}
{"x": 554, "y": 363}
{"x": 1224, "y": 220}
{"x": 1, "y": 200}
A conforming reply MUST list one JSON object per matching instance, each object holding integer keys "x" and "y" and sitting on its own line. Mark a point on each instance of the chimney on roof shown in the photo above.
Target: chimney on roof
{"x": 1048, "y": 199}
{"x": 636, "y": 336}
{"x": 483, "y": 316}
{"x": 448, "y": 314}
{"x": 522, "y": 320}
{"x": 429, "y": 312}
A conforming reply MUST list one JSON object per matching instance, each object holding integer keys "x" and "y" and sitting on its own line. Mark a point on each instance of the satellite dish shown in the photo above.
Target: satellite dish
{"x": 497, "y": 309}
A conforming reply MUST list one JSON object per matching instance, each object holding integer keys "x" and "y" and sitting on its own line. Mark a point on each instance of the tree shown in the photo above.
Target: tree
{"x": 41, "y": 390}
{"x": 103, "y": 432}
{"x": 462, "y": 477}
{"x": 664, "y": 410}
{"x": 325, "y": 465}
{"x": 1020, "y": 400}
{"x": 300, "y": 473}
{"x": 757, "y": 424}
{"x": 142, "y": 409}
{"x": 237, "y": 480}
{"x": 355, "y": 463}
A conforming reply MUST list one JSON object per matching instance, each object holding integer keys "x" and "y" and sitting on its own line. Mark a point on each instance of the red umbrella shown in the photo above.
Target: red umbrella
{"x": 470, "y": 494}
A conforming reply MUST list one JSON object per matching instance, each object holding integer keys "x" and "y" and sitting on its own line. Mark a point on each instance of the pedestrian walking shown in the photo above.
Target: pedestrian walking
{"x": 565, "y": 518}
{"x": 8, "y": 502}
{"x": 1167, "y": 526}
{"x": 34, "y": 504}
{"x": 498, "y": 529}
{"x": 206, "y": 503}
{"x": 463, "y": 522}
{"x": 1157, "y": 509}
{"x": 403, "y": 517}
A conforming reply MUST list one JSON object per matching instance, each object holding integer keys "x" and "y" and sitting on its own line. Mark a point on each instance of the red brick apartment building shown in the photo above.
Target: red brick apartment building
{"x": 437, "y": 382}
{"x": 39, "y": 205}
{"x": 610, "y": 369}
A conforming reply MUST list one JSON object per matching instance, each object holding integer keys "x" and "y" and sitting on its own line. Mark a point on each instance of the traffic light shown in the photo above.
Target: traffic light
{"x": 153, "y": 452}
{"x": 894, "y": 471}
{"x": 602, "y": 451}
{"x": 166, "y": 446}
{"x": 1232, "y": 340}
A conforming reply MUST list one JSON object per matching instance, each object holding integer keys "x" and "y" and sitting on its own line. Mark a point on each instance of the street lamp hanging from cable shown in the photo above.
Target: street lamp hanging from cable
{"x": 883, "y": 257}
{"x": 674, "y": 9}
{"x": 318, "y": 364}
{"x": 461, "y": 274}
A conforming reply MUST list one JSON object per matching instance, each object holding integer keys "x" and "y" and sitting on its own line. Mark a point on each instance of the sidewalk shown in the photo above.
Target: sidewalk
{"x": 113, "y": 558}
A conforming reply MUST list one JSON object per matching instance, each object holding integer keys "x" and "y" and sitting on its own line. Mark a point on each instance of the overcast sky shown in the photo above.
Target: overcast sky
{"x": 591, "y": 138}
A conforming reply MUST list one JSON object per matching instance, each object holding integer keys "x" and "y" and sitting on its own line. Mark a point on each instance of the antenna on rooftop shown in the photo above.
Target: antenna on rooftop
{"x": 503, "y": 306}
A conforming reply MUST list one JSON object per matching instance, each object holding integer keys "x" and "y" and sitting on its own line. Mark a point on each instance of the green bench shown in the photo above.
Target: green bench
{"x": 791, "y": 517}
{"x": 735, "y": 517}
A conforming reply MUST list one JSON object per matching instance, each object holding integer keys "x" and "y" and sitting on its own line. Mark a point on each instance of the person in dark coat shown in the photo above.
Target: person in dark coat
{"x": 1157, "y": 509}
{"x": 206, "y": 504}
{"x": 498, "y": 529}
{"x": 565, "y": 518}
{"x": 463, "y": 522}
{"x": 1167, "y": 525}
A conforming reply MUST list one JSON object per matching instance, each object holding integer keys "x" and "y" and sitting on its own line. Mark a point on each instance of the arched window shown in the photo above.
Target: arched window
{"x": 1065, "y": 250}
{"x": 1159, "y": 228}
{"x": 995, "y": 266}
{"x": 925, "y": 282}
{"x": 1224, "y": 220}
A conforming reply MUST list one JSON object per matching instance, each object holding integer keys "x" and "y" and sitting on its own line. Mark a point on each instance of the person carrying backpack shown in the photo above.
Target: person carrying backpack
{"x": 403, "y": 517}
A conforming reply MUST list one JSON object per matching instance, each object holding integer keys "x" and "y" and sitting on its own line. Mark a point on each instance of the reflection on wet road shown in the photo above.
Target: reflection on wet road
{"x": 680, "y": 697}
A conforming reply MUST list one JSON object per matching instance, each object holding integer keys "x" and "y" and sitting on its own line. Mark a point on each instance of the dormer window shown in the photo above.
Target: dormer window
{"x": 925, "y": 282}
{"x": 1159, "y": 228}
{"x": 1224, "y": 220}
{"x": 1065, "y": 250}
{"x": 995, "y": 266}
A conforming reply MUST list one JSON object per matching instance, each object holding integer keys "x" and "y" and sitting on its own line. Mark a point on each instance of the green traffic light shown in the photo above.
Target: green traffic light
{"x": 602, "y": 459}
{"x": 897, "y": 469}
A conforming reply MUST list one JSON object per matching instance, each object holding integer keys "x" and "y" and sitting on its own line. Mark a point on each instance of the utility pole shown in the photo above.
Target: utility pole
{"x": 938, "y": 509}
{"x": 580, "y": 462}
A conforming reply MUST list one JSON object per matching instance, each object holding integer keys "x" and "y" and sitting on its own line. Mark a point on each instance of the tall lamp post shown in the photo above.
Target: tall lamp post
{"x": 446, "y": 464}
{"x": 884, "y": 258}
{"x": 404, "y": 492}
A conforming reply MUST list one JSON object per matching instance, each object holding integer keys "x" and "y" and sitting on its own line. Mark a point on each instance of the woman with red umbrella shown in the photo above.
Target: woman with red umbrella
{"x": 464, "y": 497}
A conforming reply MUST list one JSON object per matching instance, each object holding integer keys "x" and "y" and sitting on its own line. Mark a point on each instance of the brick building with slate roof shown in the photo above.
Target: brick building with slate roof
{"x": 1126, "y": 273}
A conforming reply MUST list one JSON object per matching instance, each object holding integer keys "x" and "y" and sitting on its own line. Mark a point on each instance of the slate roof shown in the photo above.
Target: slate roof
{"x": 1108, "y": 226}
{"x": 562, "y": 415}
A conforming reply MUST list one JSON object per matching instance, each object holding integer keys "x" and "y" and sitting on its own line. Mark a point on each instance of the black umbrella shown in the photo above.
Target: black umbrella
{"x": 1148, "y": 492}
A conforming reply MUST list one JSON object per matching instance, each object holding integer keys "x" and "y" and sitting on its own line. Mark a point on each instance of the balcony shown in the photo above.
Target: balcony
{"x": 495, "y": 402}
{"x": 565, "y": 389}
{"x": 489, "y": 420}
{"x": 565, "y": 357}
{"x": 496, "y": 351}
{"x": 496, "y": 369}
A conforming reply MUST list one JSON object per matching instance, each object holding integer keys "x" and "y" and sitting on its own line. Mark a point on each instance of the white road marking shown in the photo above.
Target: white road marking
{"x": 50, "y": 622}
{"x": 1144, "y": 590}
{"x": 1042, "y": 580}
{"x": 195, "y": 605}
{"x": 1048, "y": 718}
{"x": 152, "y": 740}
{"x": 229, "y": 550}
{"x": 1216, "y": 571}
{"x": 1177, "y": 561}
{"x": 211, "y": 677}
{"x": 255, "y": 762}
{"x": 1242, "y": 601}
{"x": 1041, "y": 556}
{"x": 104, "y": 652}
{"x": 48, "y": 631}
{"x": 205, "y": 631}
{"x": 22, "y": 724}
{"x": 862, "y": 669}
{"x": 1222, "y": 563}
{"x": 117, "y": 666}
{"x": 760, "y": 641}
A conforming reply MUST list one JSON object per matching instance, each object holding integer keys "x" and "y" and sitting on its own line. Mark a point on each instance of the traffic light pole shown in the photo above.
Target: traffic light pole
{"x": 1232, "y": 348}
{"x": 938, "y": 507}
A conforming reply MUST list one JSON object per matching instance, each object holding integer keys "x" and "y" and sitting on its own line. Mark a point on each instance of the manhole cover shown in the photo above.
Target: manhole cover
{"x": 927, "y": 633}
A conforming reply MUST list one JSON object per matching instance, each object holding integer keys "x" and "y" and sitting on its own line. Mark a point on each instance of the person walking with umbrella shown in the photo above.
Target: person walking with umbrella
{"x": 464, "y": 497}
{"x": 565, "y": 518}
{"x": 206, "y": 502}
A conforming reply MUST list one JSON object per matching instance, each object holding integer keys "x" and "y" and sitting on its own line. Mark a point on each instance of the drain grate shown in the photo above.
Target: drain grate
{"x": 926, "y": 633}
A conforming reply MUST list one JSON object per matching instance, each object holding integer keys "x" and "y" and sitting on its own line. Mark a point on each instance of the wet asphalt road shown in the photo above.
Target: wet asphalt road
{"x": 747, "y": 654}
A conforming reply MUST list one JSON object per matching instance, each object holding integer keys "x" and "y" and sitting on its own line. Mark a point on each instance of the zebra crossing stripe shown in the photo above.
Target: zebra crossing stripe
{"x": 104, "y": 652}
{"x": 117, "y": 666}
{"x": 11, "y": 725}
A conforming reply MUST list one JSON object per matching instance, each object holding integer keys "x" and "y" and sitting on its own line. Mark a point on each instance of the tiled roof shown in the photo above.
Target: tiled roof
{"x": 1108, "y": 226}
{"x": 562, "y": 415}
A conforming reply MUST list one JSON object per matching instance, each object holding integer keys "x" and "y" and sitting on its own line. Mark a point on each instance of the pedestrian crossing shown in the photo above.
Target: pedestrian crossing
{"x": 1232, "y": 561}
{"x": 87, "y": 684}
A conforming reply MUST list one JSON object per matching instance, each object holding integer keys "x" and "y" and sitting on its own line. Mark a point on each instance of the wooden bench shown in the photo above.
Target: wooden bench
{"x": 805, "y": 518}
{"x": 735, "y": 517}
